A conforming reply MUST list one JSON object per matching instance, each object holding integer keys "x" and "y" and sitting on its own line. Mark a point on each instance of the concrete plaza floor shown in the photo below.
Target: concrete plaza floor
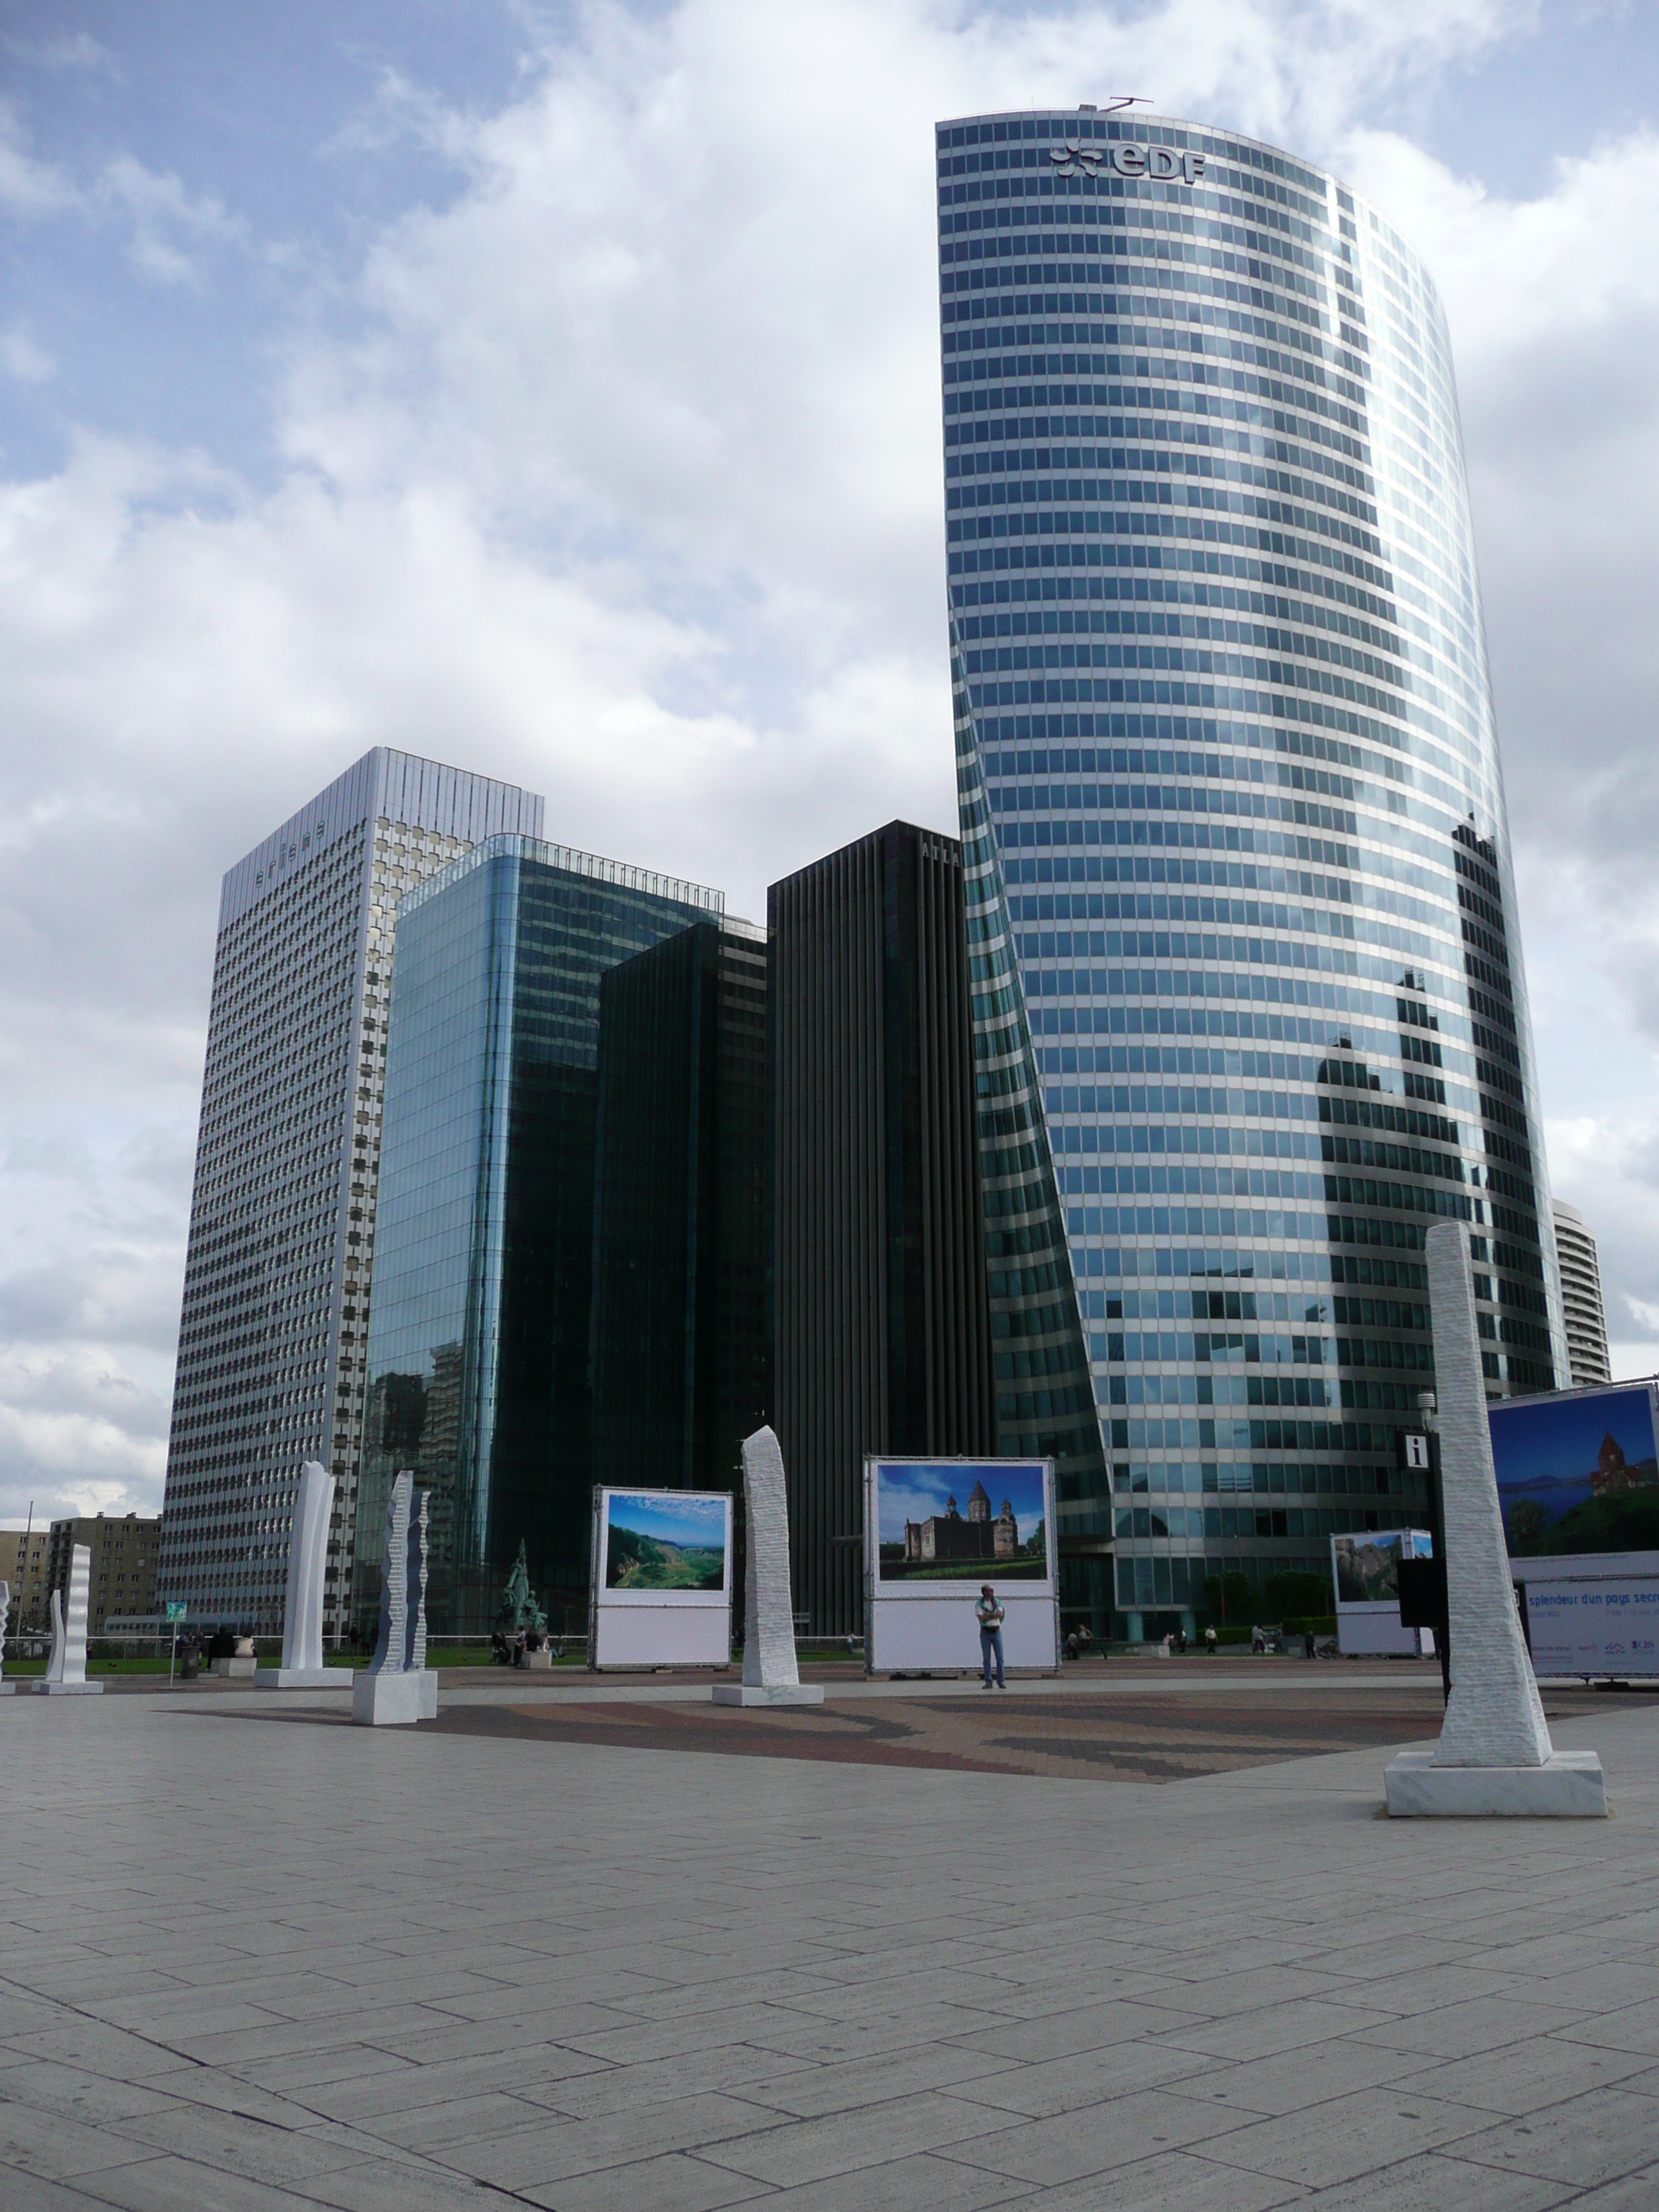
{"x": 252, "y": 1957}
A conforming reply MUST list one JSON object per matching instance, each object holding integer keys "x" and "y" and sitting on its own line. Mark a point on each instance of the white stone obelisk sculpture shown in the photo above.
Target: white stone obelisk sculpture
{"x": 302, "y": 1667}
{"x": 1494, "y": 1755}
{"x": 66, "y": 1669}
{"x": 6, "y": 1687}
{"x": 770, "y": 1675}
{"x": 398, "y": 1686}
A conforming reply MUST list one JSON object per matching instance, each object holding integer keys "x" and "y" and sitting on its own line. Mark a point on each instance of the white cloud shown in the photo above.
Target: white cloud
{"x": 21, "y": 358}
{"x": 619, "y": 475}
{"x": 170, "y": 229}
{"x": 28, "y": 186}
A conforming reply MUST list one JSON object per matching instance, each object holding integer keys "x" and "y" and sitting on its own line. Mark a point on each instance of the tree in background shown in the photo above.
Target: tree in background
{"x": 1230, "y": 1596}
{"x": 1295, "y": 1596}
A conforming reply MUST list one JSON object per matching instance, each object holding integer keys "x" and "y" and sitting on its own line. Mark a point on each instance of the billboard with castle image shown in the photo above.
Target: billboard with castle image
{"x": 962, "y": 1521}
{"x": 1578, "y": 1472}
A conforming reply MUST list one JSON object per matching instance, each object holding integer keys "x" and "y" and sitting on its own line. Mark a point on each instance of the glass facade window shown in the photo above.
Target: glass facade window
{"x": 1241, "y": 898}
{"x": 681, "y": 1367}
{"x": 480, "y": 1360}
{"x": 882, "y": 1324}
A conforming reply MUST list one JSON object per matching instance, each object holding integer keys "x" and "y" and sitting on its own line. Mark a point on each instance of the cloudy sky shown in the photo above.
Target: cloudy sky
{"x": 554, "y": 390}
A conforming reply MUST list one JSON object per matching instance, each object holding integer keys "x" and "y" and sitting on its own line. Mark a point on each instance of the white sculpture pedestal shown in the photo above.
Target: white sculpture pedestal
{"x": 534, "y": 1662}
{"x": 303, "y": 1678}
{"x": 66, "y": 1669}
{"x": 301, "y": 1666}
{"x": 1568, "y": 1786}
{"x": 392, "y": 1700}
{"x": 770, "y": 1673}
{"x": 1494, "y": 1757}
{"x": 8, "y": 1689}
{"x": 753, "y": 1693}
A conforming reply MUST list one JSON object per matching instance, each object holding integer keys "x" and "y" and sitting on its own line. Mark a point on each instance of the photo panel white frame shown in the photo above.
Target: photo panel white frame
{"x": 656, "y": 1627}
{"x": 930, "y": 1626}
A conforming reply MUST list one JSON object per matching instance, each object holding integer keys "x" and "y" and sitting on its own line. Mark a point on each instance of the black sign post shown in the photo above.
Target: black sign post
{"x": 1423, "y": 1582}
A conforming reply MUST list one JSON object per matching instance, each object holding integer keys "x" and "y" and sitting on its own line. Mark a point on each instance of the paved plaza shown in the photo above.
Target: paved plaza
{"x": 257, "y": 1961}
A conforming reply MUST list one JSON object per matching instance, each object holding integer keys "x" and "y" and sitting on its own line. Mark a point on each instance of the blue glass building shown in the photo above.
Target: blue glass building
{"x": 1249, "y": 1011}
{"x": 480, "y": 1355}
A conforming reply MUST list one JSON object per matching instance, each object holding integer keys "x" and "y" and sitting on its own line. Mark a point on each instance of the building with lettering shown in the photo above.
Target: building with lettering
{"x": 1249, "y": 1004}
{"x": 273, "y": 1337}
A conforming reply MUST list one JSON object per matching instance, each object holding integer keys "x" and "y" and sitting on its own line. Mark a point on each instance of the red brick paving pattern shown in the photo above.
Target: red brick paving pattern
{"x": 1148, "y": 1739}
{"x": 1126, "y": 1739}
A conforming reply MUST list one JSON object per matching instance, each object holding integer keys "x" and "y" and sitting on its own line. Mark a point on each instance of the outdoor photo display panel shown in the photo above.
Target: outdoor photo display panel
{"x": 1577, "y": 1477}
{"x": 1365, "y": 1574}
{"x": 935, "y": 1531}
{"x": 1605, "y": 1625}
{"x": 661, "y": 1588}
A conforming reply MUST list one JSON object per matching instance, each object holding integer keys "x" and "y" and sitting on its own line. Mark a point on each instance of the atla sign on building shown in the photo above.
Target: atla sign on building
{"x": 1165, "y": 163}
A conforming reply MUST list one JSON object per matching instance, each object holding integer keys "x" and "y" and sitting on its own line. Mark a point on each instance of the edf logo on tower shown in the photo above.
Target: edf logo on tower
{"x": 1073, "y": 158}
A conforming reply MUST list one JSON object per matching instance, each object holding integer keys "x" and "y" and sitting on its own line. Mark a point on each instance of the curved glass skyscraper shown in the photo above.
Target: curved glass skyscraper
{"x": 1249, "y": 1011}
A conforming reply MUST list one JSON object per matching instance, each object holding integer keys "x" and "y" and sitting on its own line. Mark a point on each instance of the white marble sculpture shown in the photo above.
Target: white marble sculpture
{"x": 302, "y": 1667}
{"x": 770, "y": 1675}
{"x": 6, "y": 1687}
{"x": 398, "y": 1686}
{"x": 66, "y": 1669}
{"x": 1494, "y": 1755}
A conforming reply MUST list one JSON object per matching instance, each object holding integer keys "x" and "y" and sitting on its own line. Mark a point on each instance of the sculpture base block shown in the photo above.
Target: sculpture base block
{"x": 303, "y": 1678}
{"x": 535, "y": 1662}
{"x": 69, "y": 1689}
{"x": 387, "y": 1700}
{"x": 1568, "y": 1786}
{"x": 8, "y": 1689}
{"x": 750, "y": 1693}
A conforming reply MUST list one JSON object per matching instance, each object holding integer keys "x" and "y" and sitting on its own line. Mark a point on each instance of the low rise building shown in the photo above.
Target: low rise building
{"x": 23, "y": 1554}
{"x": 124, "y": 1558}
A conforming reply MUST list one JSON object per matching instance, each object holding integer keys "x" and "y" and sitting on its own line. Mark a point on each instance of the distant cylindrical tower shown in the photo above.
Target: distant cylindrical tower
{"x": 1581, "y": 1299}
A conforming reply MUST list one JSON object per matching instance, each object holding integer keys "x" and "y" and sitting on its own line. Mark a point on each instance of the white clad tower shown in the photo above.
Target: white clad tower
{"x": 273, "y": 1330}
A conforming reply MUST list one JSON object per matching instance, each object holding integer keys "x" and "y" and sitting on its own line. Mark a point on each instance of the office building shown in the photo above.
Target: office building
{"x": 1238, "y": 874}
{"x": 24, "y": 1554}
{"x": 481, "y": 1350}
{"x": 881, "y": 1326}
{"x": 1584, "y": 1316}
{"x": 124, "y": 1552}
{"x": 274, "y": 1328}
{"x": 681, "y": 1357}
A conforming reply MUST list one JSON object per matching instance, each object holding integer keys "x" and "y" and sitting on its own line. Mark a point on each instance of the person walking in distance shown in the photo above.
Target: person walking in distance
{"x": 991, "y": 1616}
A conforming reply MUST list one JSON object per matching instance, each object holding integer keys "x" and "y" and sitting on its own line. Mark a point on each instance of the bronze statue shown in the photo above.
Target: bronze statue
{"x": 519, "y": 1606}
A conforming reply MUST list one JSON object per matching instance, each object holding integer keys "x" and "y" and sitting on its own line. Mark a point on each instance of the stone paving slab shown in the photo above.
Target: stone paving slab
{"x": 247, "y": 1963}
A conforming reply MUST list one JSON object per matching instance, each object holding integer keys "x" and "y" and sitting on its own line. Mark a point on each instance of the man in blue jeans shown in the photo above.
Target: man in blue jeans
{"x": 991, "y": 1618}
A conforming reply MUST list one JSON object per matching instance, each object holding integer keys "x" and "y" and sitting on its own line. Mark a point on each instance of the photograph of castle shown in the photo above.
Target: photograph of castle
{"x": 960, "y": 1521}
{"x": 1578, "y": 1474}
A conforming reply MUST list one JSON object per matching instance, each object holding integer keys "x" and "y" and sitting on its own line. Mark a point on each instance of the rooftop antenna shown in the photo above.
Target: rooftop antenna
{"x": 1113, "y": 103}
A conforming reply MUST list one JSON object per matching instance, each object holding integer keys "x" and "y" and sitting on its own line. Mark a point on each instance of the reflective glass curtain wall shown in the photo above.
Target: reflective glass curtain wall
{"x": 681, "y": 1357}
{"x": 1239, "y": 879}
{"x": 479, "y": 1359}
